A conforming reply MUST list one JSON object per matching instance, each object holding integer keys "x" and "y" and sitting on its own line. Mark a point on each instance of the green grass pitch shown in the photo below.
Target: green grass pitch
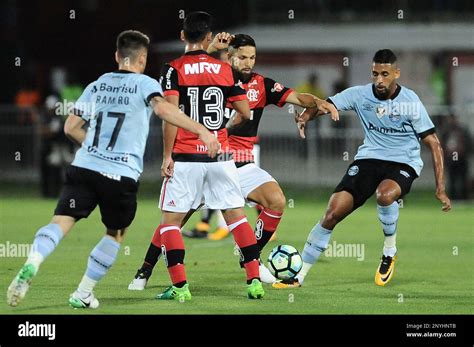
{"x": 433, "y": 274}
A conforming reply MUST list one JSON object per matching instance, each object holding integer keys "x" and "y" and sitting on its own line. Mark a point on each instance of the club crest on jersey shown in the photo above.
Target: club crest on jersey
{"x": 353, "y": 170}
{"x": 197, "y": 68}
{"x": 252, "y": 94}
{"x": 380, "y": 111}
{"x": 277, "y": 87}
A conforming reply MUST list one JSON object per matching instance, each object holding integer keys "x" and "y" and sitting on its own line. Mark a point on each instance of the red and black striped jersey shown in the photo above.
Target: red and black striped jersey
{"x": 261, "y": 91}
{"x": 204, "y": 86}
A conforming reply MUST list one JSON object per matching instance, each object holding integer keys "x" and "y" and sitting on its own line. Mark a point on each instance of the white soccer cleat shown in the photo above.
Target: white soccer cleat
{"x": 78, "y": 300}
{"x": 137, "y": 284}
{"x": 20, "y": 284}
{"x": 265, "y": 274}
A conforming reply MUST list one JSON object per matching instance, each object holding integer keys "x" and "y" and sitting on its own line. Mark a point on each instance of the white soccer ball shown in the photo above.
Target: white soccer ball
{"x": 284, "y": 262}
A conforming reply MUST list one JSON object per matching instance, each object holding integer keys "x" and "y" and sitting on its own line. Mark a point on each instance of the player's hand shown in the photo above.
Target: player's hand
{"x": 167, "y": 167}
{"x": 301, "y": 119}
{"x": 213, "y": 145}
{"x": 220, "y": 41}
{"x": 441, "y": 196}
{"x": 326, "y": 107}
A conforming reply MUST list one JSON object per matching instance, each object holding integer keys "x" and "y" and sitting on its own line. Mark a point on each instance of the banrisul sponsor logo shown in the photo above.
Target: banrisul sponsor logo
{"x": 46, "y": 330}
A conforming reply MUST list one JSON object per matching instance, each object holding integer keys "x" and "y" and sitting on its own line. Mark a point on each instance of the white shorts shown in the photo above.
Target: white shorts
{"x": 251, "y": 177}
{"x": 215, "y": 184}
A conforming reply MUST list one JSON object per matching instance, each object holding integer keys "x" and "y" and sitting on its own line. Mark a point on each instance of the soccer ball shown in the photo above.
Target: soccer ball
{"x": 284, "y": 262}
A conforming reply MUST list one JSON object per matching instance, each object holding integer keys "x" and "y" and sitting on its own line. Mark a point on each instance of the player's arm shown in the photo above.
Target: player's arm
{"x": 342, "y": 101}
{"x": 242, "y": 114}
{"x": 73, "y": 128}
{"x": 317, "y": 106}
{"x": 434, "y": 145}
{"x": 221, "y": 41}
{"x": 169, "y": 137}
{"x": 173, "y": 115}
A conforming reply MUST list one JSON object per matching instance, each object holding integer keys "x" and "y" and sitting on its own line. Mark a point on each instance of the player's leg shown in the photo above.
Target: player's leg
{"x": 249, "y": 253}
{"x": 117, "y": 201}
{"x": 77, "y": 201}
{"x": 45, "y": 242}
{"x": 397, "y": 183}
{"x": 185, "y": 192}
{"x": 222, "y": 191}
{"x": 340, "y": 205}
{"x": 172, "y": 189}
{"x": 270, "y": 196}
{"x": 172, "y": 246}
{"x": 272, "y": 200}
{"x": 357, "y": 185}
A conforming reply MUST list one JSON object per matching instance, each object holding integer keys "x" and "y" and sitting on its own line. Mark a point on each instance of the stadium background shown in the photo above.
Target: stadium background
{"x": 59, "y": 44}
{"x": 51, "y": 50}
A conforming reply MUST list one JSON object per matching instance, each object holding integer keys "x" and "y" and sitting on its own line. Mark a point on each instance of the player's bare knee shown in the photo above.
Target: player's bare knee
{"x": 385, "y": 198}
{"x": 277, "y": 202}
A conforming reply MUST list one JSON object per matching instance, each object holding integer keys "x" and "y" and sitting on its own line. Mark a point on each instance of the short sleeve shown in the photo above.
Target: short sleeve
{"x": 420, "y": 120}
{"x": 169, "y": 80}
{"x": 150, "y": 88}
{"x": 346, "y": 99}
{"x": 275, "y": 92}
{"x": 236, "y": 92}
{"x": 84, "y": 106}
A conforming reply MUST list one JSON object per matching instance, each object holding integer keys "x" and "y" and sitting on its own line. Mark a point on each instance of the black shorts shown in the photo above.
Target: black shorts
{"x": 363, "y": 177}
{"x": 85, "y": 189}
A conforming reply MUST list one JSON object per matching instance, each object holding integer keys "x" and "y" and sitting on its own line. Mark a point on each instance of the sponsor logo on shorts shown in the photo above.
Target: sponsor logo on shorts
{"x": 404, "y": 173}
{"x": 353, "y": 170}
{"x": 259, "y": 229}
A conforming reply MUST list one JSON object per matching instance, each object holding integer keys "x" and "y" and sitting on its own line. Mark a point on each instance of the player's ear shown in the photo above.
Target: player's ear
{"x": 181, "y": 35}
{"x": 397, "y": 73}
{"x": 117, "y": 57}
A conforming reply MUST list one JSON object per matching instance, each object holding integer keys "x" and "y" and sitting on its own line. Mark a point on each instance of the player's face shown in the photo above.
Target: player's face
{"x": 243, "y": 60}
{"x": 384, "y": 77}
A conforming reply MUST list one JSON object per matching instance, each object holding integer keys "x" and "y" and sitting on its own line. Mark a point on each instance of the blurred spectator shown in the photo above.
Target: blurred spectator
{"x": 438, "y": 80}
{"x": 56, "y": 150}
{"x": 71, "y": 91}
{"x": 456, "y": 151}
{"x": 311, "y": 86}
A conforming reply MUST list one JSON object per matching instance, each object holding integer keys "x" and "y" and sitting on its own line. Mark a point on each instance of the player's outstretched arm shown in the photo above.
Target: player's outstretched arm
{"x": 310, "y": 101}
{"x": 73, "y": 129}
{"x": 173, "y": 115}
{"x": 434, "y": 145}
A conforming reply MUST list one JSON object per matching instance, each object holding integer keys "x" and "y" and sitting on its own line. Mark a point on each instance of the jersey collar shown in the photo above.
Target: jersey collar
{"x": 397, "y": 91}
{"x": 123, "y": 71}
{"x": 200, "y": 51}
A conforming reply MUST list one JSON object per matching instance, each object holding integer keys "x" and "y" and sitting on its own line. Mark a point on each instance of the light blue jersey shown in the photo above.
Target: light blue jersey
{"x": 392, "y": 127}
{"x": 117, "y": 108}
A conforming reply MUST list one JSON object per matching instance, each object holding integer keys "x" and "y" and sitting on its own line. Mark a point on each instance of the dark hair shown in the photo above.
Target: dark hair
{"x": 384, "y": 56}
{"x": 241, "y": 40}
{"x": 196, "y": 26}
{"x": 129, "y": 42}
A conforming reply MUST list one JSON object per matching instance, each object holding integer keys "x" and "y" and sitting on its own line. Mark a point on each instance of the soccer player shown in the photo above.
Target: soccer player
{"x": 256, "y": 184}
{"x": 106, "y": 168}
{"x": 387, "y": 163}
{"x": 202, "y": 85}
